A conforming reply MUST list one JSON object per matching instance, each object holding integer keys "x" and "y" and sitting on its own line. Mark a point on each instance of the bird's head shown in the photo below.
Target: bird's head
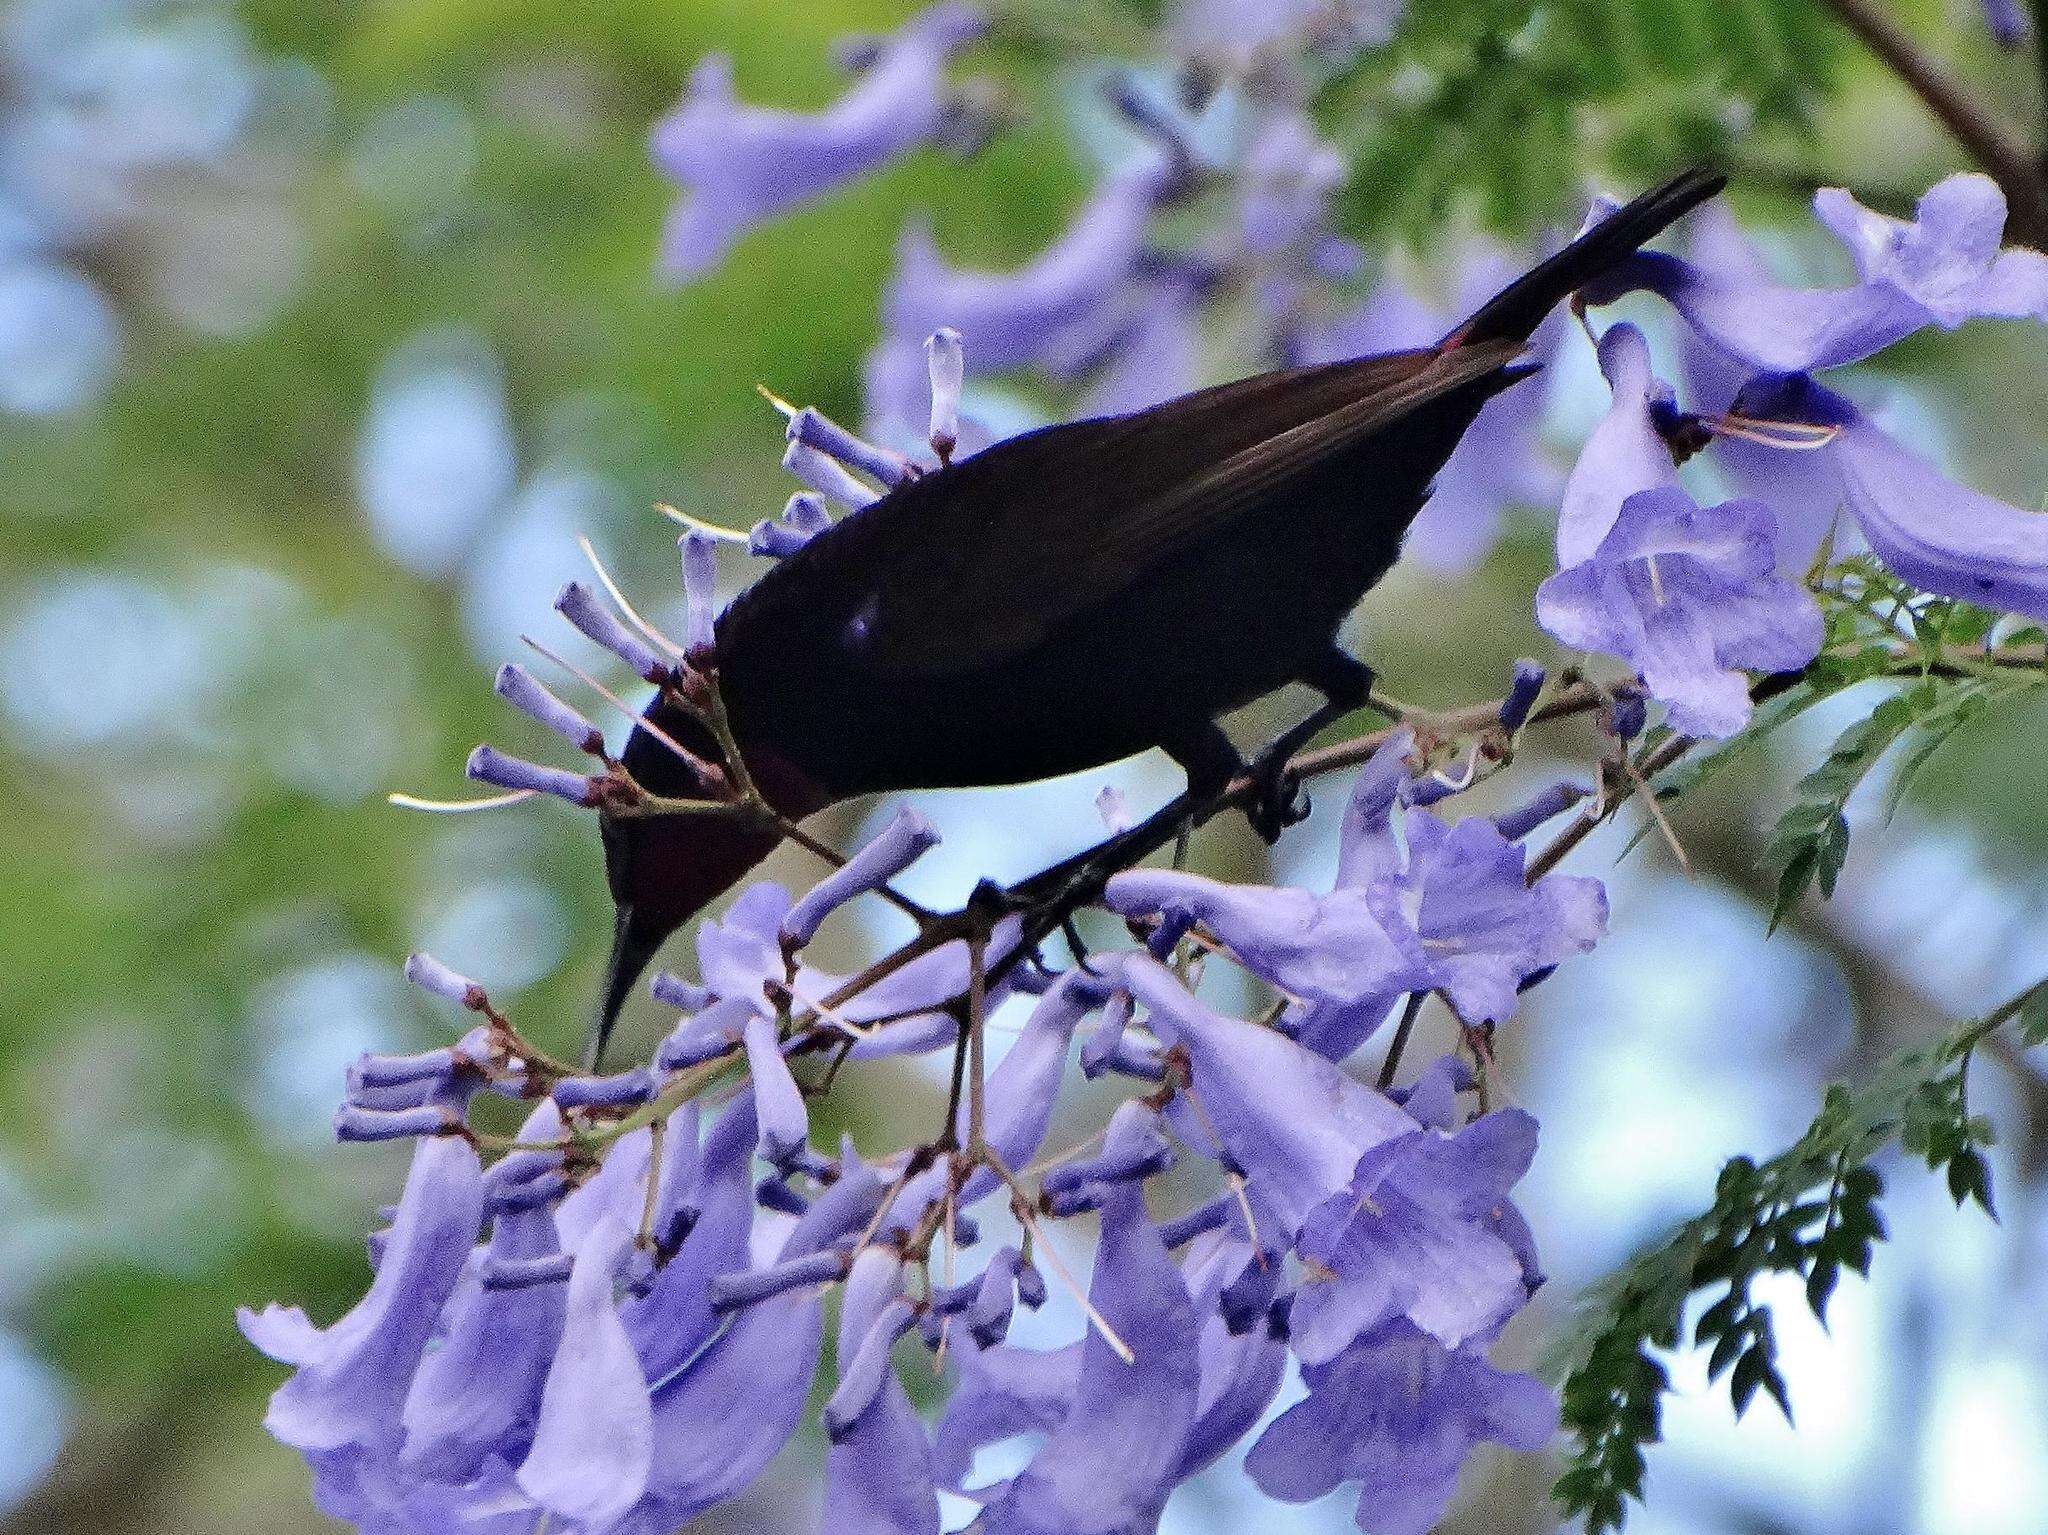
{"x": 664, "y": 868}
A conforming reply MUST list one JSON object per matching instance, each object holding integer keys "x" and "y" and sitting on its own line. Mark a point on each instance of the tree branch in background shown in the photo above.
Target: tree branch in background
{"x": 2016, "y": 165}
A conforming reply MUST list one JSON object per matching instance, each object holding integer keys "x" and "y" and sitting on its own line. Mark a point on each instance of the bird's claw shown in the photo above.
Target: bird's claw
{"x": 1278, "y": 800}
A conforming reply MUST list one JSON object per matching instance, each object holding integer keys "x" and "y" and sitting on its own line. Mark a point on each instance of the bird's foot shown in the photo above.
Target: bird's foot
{"x": 1278, "y": 800}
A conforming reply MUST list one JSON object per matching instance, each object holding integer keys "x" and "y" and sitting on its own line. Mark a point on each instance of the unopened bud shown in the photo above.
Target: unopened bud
{"x": 518, "y": 687}
{"x": 580, "y": 605}
{"x": 946, "y": 362}
{"x": 489, "y": 765}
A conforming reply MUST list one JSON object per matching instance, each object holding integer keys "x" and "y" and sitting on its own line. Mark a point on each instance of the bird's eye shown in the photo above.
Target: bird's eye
{"x": 859, "y": 629}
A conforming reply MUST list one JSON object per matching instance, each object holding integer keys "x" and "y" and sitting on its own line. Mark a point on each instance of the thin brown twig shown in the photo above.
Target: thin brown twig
{"x": 2011, "y": 161}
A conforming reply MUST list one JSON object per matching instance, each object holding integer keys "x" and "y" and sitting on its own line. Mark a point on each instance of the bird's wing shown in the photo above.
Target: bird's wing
{"x": 963, "y": 568}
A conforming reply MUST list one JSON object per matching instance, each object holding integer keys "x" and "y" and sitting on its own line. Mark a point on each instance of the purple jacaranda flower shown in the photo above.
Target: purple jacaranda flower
{"x": 1019, "y": 1096}
{"x": 1941, "y": 536}
{"x": 1132, "y": 1149}
{"x": 1942, "y": 268}
{"x": 1484, "y": 927}
{"x": 1397, "y": 1413}
{"x": 1116, "y": 1455}
{"x": 945, "y": 357}
{"x": 1690, "y": 596}
{"x": 674, "y": 1317}
{"x": 738, "y": 164}
{"x": 1291, "y": 1123}
{"x": 1318, "y": 948}
{"x": 352, "y": 1378}
{"x": 803, "y": 518}
{"x": 741, "y": 959}
{"x": 518, "y": 687}
{"x": 1240, "y": 1371}
{"x": 594, "y": 1439}
{"x": 814, "y": 429}
{"x": 1003, "y": 1390}
{"x": 478, "y": 1393}
{"x": 1500, "y": 461}
{"x": 1155, "y": 354}
{"x": 1413, "y": 1236}
{"x": 1337, "y": 955}
{"x": 1454, "y": 914}
{"x": 721, "y": 1417}
{"x": 489, "y": 765}
{"x": 784, "y": 1121}
{"x": 1524, "y": 686}
{"x": 2008, "y": 22}
{"x": 1034, "y": 313}
{"x": 586, "y": 611}
{"x": 616, "y": 1190}
{"x": 878, "y": 1472}
{"x": 1800, "y": 490}
{"x": 1624, "y": 453}
{"x": 907, "y": 838}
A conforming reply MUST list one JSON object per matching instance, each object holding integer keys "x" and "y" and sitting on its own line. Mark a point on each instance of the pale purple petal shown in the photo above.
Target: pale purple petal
{"x": 1003, "y": 1391}
{"x": 1690, "y": 596}
{"x": 1290, "y": 1121}
{"x": 1320, "y": 948}
{"x": 593, "y": 1443}
{"x": 353, "y": 1377}
{"x": 1240, "y": 1372}
{"x": 674, "y": 1318}
{"x": 1013, "y": 318}
{"x": 1623, "y": 454}
{"x": 479, "y": 1391}
{"x": 1941, "y": 536}
{"x": 1115, "y": 1457}
{"x": 878, "y": 1471}
{"x": 1366, "y": 848}
{"x": 1947, "y": 256}
{"x": 740, "y": 164}
{"x": 1397, "y": 1414}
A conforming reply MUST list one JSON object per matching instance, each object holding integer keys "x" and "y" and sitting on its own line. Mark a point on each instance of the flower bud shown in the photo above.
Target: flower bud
{"x": 727, "y": 1291}
{"x": 353, "y": 1123}
{"x": 1522, "y": 692}
{"x": 814, "y": 429}
{"x": 1517, "y": 823}
{"x": 908, "y": 837}
{"x": 579, "y": 604}
{"x": 826, "y": 475}
{"x": 429, "y": 974}
{"x": 946, "y": 361}
{"x": 700, "y": 588}
{"x": 489, "y": 765}
{"x": 518, "y": 687}
{"x": 620, "y": 1091}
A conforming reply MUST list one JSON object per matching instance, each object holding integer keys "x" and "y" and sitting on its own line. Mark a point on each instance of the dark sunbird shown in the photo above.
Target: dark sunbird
{"x": 1081, "y": 593}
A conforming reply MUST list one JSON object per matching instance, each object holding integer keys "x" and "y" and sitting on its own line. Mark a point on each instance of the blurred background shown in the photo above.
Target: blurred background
{"x": 324, "y": 332}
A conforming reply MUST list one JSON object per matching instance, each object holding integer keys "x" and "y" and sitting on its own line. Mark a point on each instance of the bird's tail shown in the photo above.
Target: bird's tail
{"x": 1516, "y": 311}
{"x": 634, "y": 943}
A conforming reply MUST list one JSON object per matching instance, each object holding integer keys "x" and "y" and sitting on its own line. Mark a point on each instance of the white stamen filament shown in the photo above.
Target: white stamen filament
{"x": 632, "y": 616}
{"x": 457, "y": 806}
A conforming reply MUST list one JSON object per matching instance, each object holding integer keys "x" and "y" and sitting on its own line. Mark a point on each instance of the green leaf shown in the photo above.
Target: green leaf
{"x": 1810, "y": 1210}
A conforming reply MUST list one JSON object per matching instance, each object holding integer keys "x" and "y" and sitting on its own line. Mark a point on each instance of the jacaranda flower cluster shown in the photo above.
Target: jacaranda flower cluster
{"x": 615, "y": 1318}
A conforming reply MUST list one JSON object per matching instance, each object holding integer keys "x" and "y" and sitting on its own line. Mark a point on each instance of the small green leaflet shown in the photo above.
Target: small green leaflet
{"x": 1808, "y": 845}
{"x": 1811, "y": 1210}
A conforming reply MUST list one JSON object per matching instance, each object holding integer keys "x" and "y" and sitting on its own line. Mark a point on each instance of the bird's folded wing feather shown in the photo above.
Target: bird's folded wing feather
{"x": 966, "y": 567}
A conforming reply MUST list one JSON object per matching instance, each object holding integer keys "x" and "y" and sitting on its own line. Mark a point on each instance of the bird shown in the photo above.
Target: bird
{"x": 1078, "y": 594}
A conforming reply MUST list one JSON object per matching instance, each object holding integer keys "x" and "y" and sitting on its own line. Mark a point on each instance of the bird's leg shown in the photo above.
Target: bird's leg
{"x": 1210, "y": 762}
{"x": 1278, "y": 803}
